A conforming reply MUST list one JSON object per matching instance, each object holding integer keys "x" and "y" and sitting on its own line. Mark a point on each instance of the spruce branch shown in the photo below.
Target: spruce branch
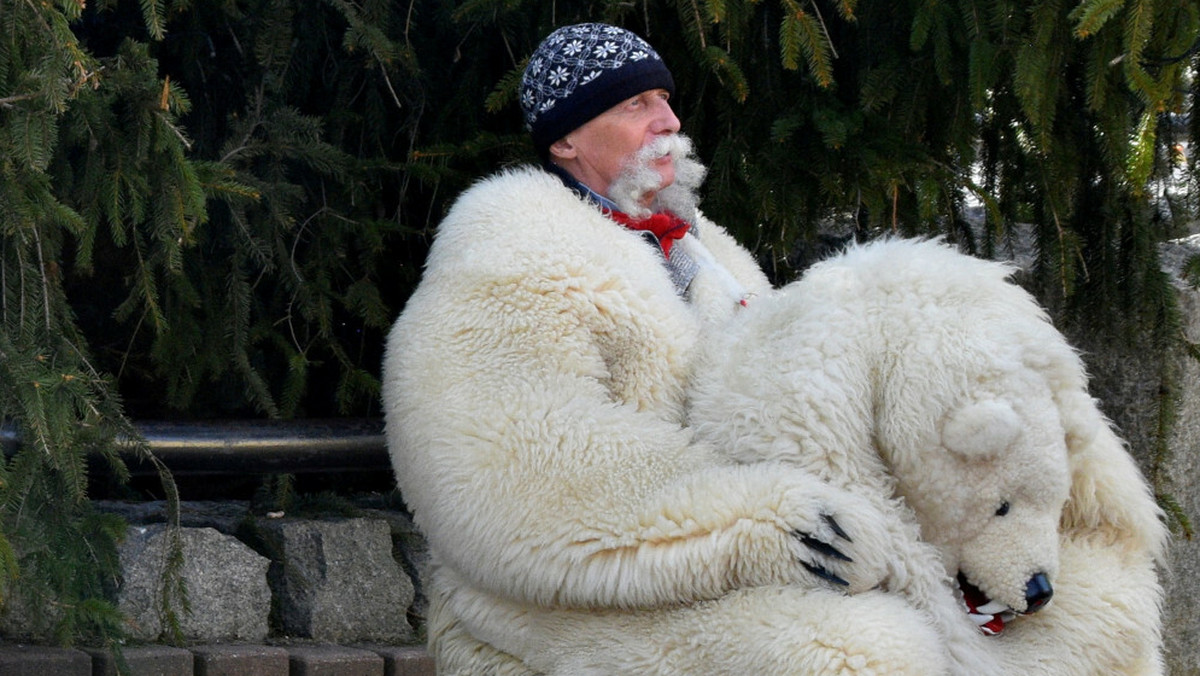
{"x": 387, "y": 80}
{"x": 7, "y": 101}
{"x": 799, "y": 34}
{"x": 1091, "y": 15}
{"x": 44, "y": 277}
{"x": 816, "y": 10}
{"x": 1178, "y": 58}
{"x": 699, "y": 24}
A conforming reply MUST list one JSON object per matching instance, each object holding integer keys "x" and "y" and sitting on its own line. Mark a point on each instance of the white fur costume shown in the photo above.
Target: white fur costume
{"x": 534, "y": 389}
{"x": 905, "y": 368}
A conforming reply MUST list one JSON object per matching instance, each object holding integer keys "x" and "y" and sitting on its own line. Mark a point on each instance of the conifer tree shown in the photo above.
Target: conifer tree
{"x": 72, "y": 124}
{"x": 216, "y": 209}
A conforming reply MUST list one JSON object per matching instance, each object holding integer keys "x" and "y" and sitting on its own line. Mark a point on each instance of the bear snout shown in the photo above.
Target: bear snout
{"x": 1038, "y": 591}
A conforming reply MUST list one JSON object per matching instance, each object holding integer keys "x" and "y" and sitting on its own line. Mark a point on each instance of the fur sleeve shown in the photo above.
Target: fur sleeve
{"x": 537, "y": 477}
{"x": 733, "y": 256}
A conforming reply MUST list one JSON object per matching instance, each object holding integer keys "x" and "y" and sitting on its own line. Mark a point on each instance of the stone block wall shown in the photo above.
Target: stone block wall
{"x": 217, "y": 660}
{"x": 226, "y": 583}
{"x": 253, "y": 579}
{"x": 338, "y": 581}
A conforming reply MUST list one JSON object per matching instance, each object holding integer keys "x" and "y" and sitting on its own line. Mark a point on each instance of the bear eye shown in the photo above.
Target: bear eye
{"x": 1002, "y": 509}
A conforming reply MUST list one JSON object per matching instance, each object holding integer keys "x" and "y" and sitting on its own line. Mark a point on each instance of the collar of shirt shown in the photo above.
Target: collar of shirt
{"x": 606, "y": 205}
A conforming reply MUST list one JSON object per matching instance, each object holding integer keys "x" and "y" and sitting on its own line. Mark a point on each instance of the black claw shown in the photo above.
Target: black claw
{"x": 822, "y": 547}
{"x": 824, "y": 574}
{"x": 837, "y": 529}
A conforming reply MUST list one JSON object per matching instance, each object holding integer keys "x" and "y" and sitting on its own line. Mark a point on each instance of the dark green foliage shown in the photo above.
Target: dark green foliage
{"x": 1191, "y": 272}
{"x": 216, "y": 209}
{"x": 71, "y": 127}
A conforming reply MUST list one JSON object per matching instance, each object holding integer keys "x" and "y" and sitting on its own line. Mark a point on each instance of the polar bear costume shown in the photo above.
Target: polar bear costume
{"x": 906, "y": 368}
{"x": 535, "y": 400}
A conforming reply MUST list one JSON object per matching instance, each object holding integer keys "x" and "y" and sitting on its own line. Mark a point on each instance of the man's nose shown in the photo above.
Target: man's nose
{"x": 665, "y": 121}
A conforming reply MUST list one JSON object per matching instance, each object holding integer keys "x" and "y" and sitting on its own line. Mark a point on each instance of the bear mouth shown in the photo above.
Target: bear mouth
{"x": 990, "y": 616}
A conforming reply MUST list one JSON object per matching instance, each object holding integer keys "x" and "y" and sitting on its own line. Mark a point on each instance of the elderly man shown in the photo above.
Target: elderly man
{"x": 534, "y": 391}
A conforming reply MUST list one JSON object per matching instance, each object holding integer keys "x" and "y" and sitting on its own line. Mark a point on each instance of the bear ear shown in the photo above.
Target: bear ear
{"x": 981, "y": 429}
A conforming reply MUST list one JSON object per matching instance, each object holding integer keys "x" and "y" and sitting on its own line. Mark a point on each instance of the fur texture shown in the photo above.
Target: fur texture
{"x": 903, "y": 368}
{"x": 535, "y": 398}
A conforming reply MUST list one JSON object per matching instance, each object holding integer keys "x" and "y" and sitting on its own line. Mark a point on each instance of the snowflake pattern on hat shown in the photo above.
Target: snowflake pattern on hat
{"x": 573, "y": 56}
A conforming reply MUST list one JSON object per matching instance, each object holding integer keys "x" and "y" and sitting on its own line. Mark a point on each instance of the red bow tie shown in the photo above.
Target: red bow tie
{"x": 666, "y": 226}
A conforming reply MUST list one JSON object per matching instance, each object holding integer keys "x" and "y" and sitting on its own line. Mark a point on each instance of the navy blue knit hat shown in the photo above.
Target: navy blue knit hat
{"x": 581, "y": 71}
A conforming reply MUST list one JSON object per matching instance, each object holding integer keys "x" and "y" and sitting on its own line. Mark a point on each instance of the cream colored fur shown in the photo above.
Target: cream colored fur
{"x": 535, "y": 397}
{"x": 903, "y": 368}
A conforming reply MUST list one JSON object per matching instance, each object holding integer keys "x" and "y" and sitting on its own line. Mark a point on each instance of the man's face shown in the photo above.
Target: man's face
{"x": 596, "y": 153}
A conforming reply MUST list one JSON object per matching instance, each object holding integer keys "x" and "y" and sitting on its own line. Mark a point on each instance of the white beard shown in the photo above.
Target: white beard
{"x": 638, "y": 178}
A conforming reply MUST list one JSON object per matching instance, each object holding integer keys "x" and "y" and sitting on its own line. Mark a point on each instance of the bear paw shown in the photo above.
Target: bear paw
{"x": 841, "y": 538}
{"x": 827, "y": 550}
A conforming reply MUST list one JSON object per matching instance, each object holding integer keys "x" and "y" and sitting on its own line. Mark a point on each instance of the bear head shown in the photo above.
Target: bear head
{"x": 988, "y": 480}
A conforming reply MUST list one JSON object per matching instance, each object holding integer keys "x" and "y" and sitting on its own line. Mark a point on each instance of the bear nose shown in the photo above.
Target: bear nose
{"x": 1037, "y": 593}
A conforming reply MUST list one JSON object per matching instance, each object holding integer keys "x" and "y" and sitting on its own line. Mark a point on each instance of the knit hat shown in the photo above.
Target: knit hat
{"x": 581, "y": 71}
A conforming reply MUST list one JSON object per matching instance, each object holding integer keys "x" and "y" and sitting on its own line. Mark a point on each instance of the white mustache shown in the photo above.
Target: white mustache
{"x": 638, "y": 178}
{"x": 675, "y": 145}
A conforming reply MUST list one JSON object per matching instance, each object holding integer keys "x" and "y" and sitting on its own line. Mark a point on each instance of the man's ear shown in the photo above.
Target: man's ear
{"x": 563, "y": 149}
